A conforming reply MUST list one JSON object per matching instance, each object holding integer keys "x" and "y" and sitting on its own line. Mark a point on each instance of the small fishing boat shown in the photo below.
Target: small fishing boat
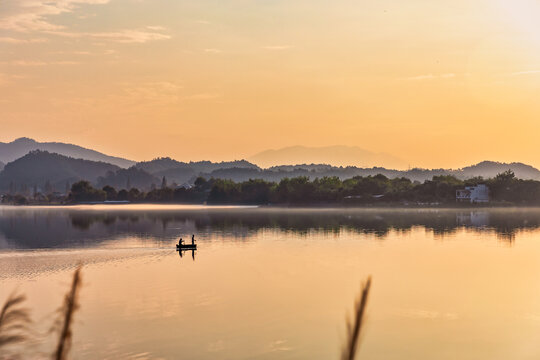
{"x": 183, "y": 246}
{"x": 186, "y": 247}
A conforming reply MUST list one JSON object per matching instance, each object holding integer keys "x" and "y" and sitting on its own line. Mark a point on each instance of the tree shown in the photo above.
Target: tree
{"x": 134, "y": 194}
{"x": 122, "y": 195}
{"x": 503, "y": 186}
{"x": 255, "y": 191}
{"x": 164, "y": 183}
{"x": 110, "y": 191}
{"x": 48, "y": 187}
{"x": 201, "y": 184}
{"x": 505, "y": 177}
{"x": 298, "y": 190}
{"x": 224, "y": 191}
{"x": 83, "y": 191}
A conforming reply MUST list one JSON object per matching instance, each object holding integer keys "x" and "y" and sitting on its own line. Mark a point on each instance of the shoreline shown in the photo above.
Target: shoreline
{"x": 328, "y": 206}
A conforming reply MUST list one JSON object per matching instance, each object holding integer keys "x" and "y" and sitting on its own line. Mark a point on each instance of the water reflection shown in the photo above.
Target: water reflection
{"x": 277, "y": 283}
{"x": 35, "y": 228}
{"x": 181, "y": 253}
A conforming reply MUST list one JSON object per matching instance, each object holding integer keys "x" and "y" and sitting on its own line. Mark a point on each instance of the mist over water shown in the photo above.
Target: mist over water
{"x": 271, "y": 283}
{"x": 159, "y": 225}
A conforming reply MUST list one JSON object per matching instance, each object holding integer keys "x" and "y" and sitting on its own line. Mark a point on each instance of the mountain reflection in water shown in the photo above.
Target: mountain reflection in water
{"x": 64, "y": 227}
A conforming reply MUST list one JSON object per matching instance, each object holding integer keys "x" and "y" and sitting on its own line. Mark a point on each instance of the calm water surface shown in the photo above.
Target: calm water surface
{"x": 278, "y": 283}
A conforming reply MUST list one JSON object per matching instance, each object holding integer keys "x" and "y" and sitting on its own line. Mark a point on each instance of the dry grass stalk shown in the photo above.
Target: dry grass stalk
{"x": 71, "y": 304}
{"x": 14, "y": 321}
{"x": 354, "y": 329}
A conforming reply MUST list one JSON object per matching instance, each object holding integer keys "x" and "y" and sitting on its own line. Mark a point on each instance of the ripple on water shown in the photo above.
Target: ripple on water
{"x": 31, "y": 263}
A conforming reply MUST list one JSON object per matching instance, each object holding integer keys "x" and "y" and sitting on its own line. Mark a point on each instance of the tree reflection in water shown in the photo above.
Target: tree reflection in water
{"x": 67, "y": 228}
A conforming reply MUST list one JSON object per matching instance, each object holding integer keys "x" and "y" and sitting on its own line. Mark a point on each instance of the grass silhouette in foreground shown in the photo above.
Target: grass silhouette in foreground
{"x": 66, "y": 312}
{"x": 14, "y": 321}
{"x": 354, "y": 326}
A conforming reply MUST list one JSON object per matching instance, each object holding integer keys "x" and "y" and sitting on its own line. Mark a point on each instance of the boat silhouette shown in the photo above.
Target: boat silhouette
{"x": 182, "y": 246}
{"x": 186, "y": 247}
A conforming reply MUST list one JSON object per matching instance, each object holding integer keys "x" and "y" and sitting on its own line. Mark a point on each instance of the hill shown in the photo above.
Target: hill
{"x": 182, "y": 172}
{"x": 22, "y": 146}
{"x": 488, "y": 169}
{"x": 2, "y": 166}
{"x": 129, "y": 178}
{"x": 43, "y": 169}
{"x": 485, "y": 169}
{"x": 333, "y": 155}
{"x": 159, "y": 164}
{"x": 47, "y": 171}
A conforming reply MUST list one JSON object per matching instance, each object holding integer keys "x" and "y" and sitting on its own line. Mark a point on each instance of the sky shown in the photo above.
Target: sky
{"x": 436, "y": 83}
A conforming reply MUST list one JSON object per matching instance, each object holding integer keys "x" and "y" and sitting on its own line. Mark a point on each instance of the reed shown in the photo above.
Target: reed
{"x": 354, "y": 326}
{"x": 14, "y": 321}
{"x": 66, "y": 313}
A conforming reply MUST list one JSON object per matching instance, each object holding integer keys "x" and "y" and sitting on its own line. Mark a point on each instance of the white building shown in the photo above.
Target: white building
{"x": 473, "y": 194}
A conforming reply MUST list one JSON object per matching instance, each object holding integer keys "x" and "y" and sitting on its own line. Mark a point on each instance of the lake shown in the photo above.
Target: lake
{"x": 268, "y": 283}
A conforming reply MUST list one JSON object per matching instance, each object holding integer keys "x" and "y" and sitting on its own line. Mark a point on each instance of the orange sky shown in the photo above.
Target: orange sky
{"x": 437, "y": 83}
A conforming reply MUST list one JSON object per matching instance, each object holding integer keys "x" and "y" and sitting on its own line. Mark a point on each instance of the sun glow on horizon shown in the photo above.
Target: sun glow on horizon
{"x": 438, "y": 84}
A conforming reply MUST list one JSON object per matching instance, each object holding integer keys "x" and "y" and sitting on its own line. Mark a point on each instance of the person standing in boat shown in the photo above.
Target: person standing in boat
{"x": 193, "y": 239}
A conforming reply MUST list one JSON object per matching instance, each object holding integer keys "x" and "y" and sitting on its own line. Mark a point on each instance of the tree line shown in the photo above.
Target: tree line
{"x": 358, "y": 190}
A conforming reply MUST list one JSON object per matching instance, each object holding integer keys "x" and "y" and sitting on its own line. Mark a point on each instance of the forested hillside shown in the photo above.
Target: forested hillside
{"x": 42, "y": 169}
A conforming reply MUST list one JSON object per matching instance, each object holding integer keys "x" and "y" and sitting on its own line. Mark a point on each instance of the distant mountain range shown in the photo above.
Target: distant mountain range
{"x": 43, "y": 169}
{"x": 485, "y": 169}
{"x": 489, "y": 169}
{"x": 22, "y": 146}
{"x": 182, "y": 172}
{"x": 335, "y": 155}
